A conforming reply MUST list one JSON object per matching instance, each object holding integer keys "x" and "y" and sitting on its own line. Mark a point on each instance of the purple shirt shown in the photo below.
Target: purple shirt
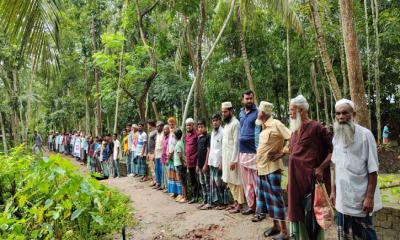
{"x": 164, "y": 155}
{"x": 191, "y": 148}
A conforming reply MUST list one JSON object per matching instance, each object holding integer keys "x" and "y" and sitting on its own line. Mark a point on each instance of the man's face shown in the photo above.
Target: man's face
{"x": 226, "y": 113}
{"x": 140, "y": 127}
{"x": 216, "y": 123}
{"x": 343, "y": 113}
{"x": 293, "y": 111}
{"x": 159, "y": 128}
{"x": 166, "y": 130}
{"x": 124, "y": 133}
{"x": 128, "y": 128}
{"x": 248, "y": 100}
{"x": 201, "y": 129}
{"x": 114, "y": 137}
{"x": 172, "y": 125}
{"x": 189, "y": 127}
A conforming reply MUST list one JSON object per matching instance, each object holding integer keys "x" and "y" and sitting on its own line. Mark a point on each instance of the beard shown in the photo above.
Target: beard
{"x": 248, "y": 105}
{"x": 295, "y": 124}
{"x": 344, "y": 132}
{"x": 227, "y": 119}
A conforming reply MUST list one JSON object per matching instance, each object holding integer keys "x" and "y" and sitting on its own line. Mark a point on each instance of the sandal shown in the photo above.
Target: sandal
{"x": 258, "y": 218}
{"x": 271, "y": 232}
{"x": 280, "y": 237}
{"x": 206, "y": 207}
{"x": 182, "y": 200}
{"x": 222, "y": 207}
{"x": 235, "y": 210}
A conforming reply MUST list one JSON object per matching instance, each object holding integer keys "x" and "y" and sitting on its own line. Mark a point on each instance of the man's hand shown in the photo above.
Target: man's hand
{"x": 333, "y": 198}
{"x": 368, "y": 205}
{"x": 275, "y": 156}
{"x": 233, "y": 166}
{"x": 220, "y": 167}
{"x": 319, "y": 173}
{"x": 205, "y": 168}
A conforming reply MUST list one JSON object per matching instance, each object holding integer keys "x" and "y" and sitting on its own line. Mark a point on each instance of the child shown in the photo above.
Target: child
{"x": 116, "y": 152}
{"x": 104, "y": 157}
{"x": 180, "y": 164}
{"x": 203, "y": 149}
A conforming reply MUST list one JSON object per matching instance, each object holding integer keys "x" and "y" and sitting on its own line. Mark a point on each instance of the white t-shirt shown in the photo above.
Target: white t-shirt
{"x": 352, "y": 165}
{"x": 142, "y": 139}
{"x": 117, "y": 149}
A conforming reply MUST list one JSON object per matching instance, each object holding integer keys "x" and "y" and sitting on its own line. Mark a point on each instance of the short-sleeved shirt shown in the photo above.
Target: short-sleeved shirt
{"x": 117, "y": 149}
{"x": 353, "y": 164}
{"x": 151, "y": 147}
{"x": 38, "y": 140}
{"x": 159, "y": 145}
{"x": 247, "y": 126}
{"x": 125, "y": 143}
{"x": 385, "y": 133}
{"x": 215, "y": 156}
{"x": 191, "y": 148}
{"x": 203, "y": 142}
{"x": 141, "y": 140}
{"x": 271, "y": 140}
{"x": 179, "y": 148}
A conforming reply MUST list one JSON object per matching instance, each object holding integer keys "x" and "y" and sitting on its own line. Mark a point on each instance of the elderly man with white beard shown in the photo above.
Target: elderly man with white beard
{"x": 355, "y": 195}
{"x": 310, "y": 153}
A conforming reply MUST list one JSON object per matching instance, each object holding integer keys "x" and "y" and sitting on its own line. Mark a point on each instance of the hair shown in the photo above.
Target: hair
{"x": 201, "y": 122}
{"x": 108, "y": 135}
{"x": 129, "y": 124}
{"x": 141, "y": 123}
{"x": 216, "y": 116}
{"x": 248, "y": 92}
{"x": 171, "y": 120}
{"x": 161, "y": 123}
{"x": 151, "y": 122}
{"x": 178, "y": 134}
{"x": 115, "y": 135}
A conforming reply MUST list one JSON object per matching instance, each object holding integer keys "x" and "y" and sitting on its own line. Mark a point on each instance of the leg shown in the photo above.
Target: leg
{"x": 249, "y": 183}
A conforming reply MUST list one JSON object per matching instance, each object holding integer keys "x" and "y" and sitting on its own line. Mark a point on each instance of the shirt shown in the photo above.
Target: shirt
{"x": 152, "y": 141}
{"x": 191, "y": 148}
{"x": 179, "y": 148}
{"x": 117, "y": 149}
{"x": 141, "y": 140}
{"x": 125, "y": 144}
{"x": 164, "y": 155}
{"x": 385, "y": 133}
{"x": 159, "y": 145}
{"x": 215, "y": 156}
{"x": 38, "y": 140}
{"x": 203, "y": 142}
{"x": 247, "y": 126}
{"x": 130, "y": 141}
{"x": 272, "y": 139}
{"x": 230, "y": 152}
{"x": 352, "y": 165}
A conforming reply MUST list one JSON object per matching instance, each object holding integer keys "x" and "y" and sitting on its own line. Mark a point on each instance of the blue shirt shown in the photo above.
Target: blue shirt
{"x": 385, "y": 132}
{"x": 247, "y": 127}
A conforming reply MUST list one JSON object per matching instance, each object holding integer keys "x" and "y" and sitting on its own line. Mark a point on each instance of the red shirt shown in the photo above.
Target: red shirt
{"x": 191, "y": 148}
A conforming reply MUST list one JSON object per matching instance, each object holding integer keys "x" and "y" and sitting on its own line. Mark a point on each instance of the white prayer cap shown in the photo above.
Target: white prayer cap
{"x": 300, "y": 101}
{"x": 344, "y": 101}
{"x": 266, "y": 107}
{"x": 226, "y": 105}
{"x": 189, "y": 120}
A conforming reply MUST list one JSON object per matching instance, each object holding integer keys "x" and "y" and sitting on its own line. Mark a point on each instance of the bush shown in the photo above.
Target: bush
{"x": 45, "y": 198}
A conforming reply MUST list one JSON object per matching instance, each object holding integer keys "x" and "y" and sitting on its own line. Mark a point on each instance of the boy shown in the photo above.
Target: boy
{"x": 116, "y": 152}
{"x": 180, "y": 164}
{"x": 203, "y": 149}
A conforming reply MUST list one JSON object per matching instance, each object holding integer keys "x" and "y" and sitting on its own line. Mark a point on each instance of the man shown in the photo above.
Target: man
{"x": 270, "y": 166}
{"x": 135, "y": 169}
{"x": 129, "y": 153}
{"x": 247, "y": 157}
{"x": 191, "y": 156}
{"x": 356, "y": 194}
{"x": 203, "y": 149}
{"x": 158, "y": 154}
{"x": 385, "y": 134}
{"x": 217, "y": 186}
{"x": 116, "y": 154}
{"x": 151, "y": 126}
{"x": 50, "y": 141}
{"x": 164, "y": 158}
{"x": 230, "y": 157}
{"x": 141, "y": 152}
{"x": 37, "y": 146}
{"x": 310, "y": 154}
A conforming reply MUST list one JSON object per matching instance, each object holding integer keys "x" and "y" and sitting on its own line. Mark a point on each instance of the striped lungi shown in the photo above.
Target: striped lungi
{"x": 174, "y": 183}
{"x": 270, "y": 197}
{"x": 217, "y": 187}
{"x": 248, "y": 172}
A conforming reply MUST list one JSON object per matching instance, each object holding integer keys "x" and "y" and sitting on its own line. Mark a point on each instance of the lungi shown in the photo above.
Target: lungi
{"x": 249, "y": 178}
{"x": 164, "y": 180}
{"x": 204, "y": 182}
{"x": 151, "y": 166}
{"x": 349, "y": 227}
{"x": 174, "y": 183}
{"x": 142, "y": 166}
{"x": 298, "y": 231}
{"x": 269, "y": 195}
{"x": 237, "y": 193}
{"x": 217, "y": 187}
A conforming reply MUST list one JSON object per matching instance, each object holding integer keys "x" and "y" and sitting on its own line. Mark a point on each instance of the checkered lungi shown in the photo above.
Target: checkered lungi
{"x": 217, "y": 187}
{"x": 142, "y": 166}
{"x": 174, "y": 183}
{"x": 269, "y": 197}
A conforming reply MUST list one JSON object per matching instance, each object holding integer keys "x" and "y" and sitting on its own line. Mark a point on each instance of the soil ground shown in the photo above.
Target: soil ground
{"x": 159, "y": 217}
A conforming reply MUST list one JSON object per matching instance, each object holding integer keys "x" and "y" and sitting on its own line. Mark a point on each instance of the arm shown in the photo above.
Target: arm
{"x": 368, "y": 205}
{"x": 320, "y": 169}
{"x": 333, "y": 192}
{"x": 205, "y": 167}
{"x": 235, "y": 156}
{"x": 144, "y": 149}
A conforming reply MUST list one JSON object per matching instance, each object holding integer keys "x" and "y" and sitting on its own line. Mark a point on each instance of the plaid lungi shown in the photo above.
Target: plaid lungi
{"x": 174, "y": 183}
{"x": 269, "y": 197}
{"x": 217, "y": 187}
{"x": 349, "y": 227}
{"x": 142, "y": 166}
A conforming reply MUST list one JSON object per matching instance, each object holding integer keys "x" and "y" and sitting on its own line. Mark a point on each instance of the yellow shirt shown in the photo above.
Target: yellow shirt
{"x": 272, "y": 140}
{"x": 125, "y": 144}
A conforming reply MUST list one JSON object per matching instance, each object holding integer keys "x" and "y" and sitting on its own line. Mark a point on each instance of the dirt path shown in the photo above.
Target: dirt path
{"x": 162, "y": 218}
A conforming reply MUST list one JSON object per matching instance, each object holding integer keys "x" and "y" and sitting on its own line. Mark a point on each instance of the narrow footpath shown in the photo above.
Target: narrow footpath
{"x": 160, "y": 217}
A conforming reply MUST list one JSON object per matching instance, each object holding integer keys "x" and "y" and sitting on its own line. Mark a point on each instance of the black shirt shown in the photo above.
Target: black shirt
{"x": 203, "y": 142}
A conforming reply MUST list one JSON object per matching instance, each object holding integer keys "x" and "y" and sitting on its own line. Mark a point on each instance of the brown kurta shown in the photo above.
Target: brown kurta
{"x": 308, "y": 149}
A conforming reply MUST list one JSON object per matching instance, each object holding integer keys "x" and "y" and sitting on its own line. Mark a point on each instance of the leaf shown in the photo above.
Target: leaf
{"x": 97, "y": 218}
{"x": 77, "y": 213}
{"x": 22, "y": 200}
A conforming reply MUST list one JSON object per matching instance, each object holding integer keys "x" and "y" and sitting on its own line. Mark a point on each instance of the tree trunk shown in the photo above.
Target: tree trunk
{"x": 199, "y": 60}
{"x": 120, "y": 76}
{"x": 376, "y": 75}
{"x": 97, "y": 80}
{"x": 186, "y": 109}
{"x": 354, "y": 70}
{"x": 15, "y": 108}
{"x": 323, "y": 50}
{"x": 156, "y": 114}
{"x": 87, "y": 120}
{"x": 368, "y": 52}
{"x": 246, "y": 62}
{"x": 29, "y": 100}
{"x": 3, "y": 133}
{"x": 343, "y": 69}
{"x": 289, "y": 80}
{"x": 315, "y": 87}
{"x": 325, "y": 105}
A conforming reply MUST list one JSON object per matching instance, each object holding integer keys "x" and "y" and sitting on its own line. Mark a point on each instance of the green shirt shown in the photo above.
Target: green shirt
{"x": 179, "y": 148}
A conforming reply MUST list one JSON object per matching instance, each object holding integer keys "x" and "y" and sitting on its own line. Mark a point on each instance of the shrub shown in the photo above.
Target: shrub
{"x": 45, "y": 198}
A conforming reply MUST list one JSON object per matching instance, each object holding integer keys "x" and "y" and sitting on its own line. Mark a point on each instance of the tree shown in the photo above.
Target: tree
{"x": 354, "y": 69}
